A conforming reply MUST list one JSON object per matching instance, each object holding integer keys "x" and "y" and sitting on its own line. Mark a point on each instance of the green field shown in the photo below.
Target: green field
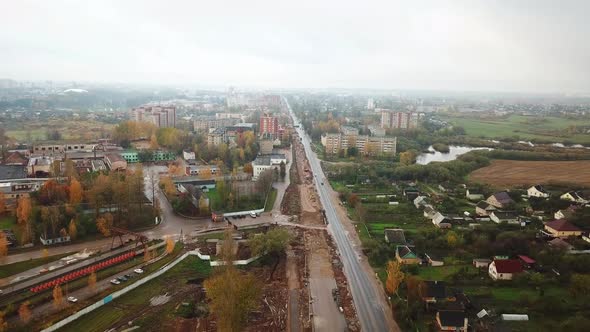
{"x": 544, "y": 128}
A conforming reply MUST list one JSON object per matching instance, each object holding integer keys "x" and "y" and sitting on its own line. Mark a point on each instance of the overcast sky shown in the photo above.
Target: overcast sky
{"x": 528, "y": 46}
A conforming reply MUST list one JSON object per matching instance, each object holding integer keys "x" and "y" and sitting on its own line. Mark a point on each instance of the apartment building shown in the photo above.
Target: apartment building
{"x": 366, "y": 145}
{"x": 269, "y": 125}
{"x": 203, "y": 124}
{"x": 216, "y": 136}
{"x": 398, "y": 119}
{"x": 161, "y": 116}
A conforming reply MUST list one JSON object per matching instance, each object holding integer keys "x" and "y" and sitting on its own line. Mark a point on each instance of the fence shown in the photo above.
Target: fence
{"x": 220, "y": 263}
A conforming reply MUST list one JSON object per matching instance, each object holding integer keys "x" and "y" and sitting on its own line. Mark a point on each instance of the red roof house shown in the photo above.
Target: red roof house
{"x": 562, "y": 228}
{"x": 504, "y": 269}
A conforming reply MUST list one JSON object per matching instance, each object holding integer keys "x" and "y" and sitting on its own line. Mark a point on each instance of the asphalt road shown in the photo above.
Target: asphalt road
{"x": 370, "y": 313}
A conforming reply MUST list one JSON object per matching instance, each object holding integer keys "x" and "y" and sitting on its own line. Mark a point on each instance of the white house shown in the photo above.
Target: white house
{"x": 473, "y": 195}
{"x": 504, "y": 269}
{"x": 420, "y": 201}
{"x": 537, "y": 191}
{"x": 188, "y": 155}
{"x": 504, "y": 216}
{"x": 574, "y": 196}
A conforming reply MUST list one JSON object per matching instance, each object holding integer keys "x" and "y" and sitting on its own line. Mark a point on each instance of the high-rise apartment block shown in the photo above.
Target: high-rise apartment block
{"x": 399, "y": 120}
{"x": 366, "y": 145}
{"x": 161, "y": 116}
{"x": 269, "y": 125}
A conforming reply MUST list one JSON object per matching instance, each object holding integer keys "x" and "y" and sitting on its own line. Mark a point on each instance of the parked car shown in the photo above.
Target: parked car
{"x": 122, "y": 278}
{"x": 128, "y": 276}
{"x": 252, "y": 214}
{"x": 115, "y": 282}
{"x": 72, "y": 299}
{"x": 138, "y": 271}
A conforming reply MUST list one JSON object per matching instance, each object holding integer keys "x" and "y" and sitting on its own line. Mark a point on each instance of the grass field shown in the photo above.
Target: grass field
{"x": 511, "y": 173}
{"x": 545, "y": 128}
{"x": 72, "y": 130}
{"x": 102, "y": 318}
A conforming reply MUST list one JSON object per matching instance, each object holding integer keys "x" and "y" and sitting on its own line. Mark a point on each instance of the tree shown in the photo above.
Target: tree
{"x": 72, "y": 229}
{"x": 205, "y": 173}
{"x": 168, "y": 186}
{"x": 75, "y": 192}
{"x": 580, "y": 285}
{"x": 3, "y": 322}
{"x": 203, "y": 205}
{"x": 395, "y": 276}
{"x": 24, "y": 312}
{"x": 2, "y": 204}
{"x": 232, "y": 301}
{"x": 453, "y": 239}
{"x": 249, "y": 169}
{"x": 23, "y": 217}
{"x": 104, "y": 224}
{"x": 353, "y": 199}
{"x": 169, "y": 245}
{"x": 3, "y": 245}
{"x": 92, "y": 281}
{"x": 283, "y": 170}
{"x": 407, "y": 158}
{"x": 58, "y": 297}
{"x": 273, "y": 243}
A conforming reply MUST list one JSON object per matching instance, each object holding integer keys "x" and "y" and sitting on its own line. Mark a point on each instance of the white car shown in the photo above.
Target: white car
{"x": 138, "y": 271}
{"x": 72, "y": 299}
{"x": 115, "y": 282}
{"x": 252, "y": 214}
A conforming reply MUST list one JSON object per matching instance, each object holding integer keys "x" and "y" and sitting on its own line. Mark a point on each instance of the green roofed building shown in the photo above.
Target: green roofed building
{"x": 132, "y": 156}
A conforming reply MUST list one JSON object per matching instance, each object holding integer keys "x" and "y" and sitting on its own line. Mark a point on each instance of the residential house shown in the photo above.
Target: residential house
{"x": 562, "y": 228}
{"x": 504, "y": 269}
{"x": 439, "y": 219}
{"x": 500, "y": 200}
{"x": 420, "y": 201}
{"x": 429, "y": 212}
{"x": 40, "y": 166}
{"x": 481, "y": 262}
{"x": 537, "y": 191}
{"x": 484, "y": 208}
{"x": 473, "y": 195}
{"x": 509, "y": 217}
{"x": 15, "y": 159}
{"x": 395, "y": 236}
{"x": 526, "y": 261}
{"x": 574, "y": 196}
{"x": 566, "y": 213}
{"x": 411, "y": 193}
{"x": 559, "y": 243}
{"x": 451, "y": 320}
{"x": 434, "y": 291}
{"x": 405, "y": 255}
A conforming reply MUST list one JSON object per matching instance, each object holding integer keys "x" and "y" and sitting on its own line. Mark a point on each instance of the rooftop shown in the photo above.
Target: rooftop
{"x": 8, "y": 172}
{"x": 507, "y": 266}
{"x": 562, "y": 225}
{"x": 503, "y": 197}
{"x": 451, "y": 318}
